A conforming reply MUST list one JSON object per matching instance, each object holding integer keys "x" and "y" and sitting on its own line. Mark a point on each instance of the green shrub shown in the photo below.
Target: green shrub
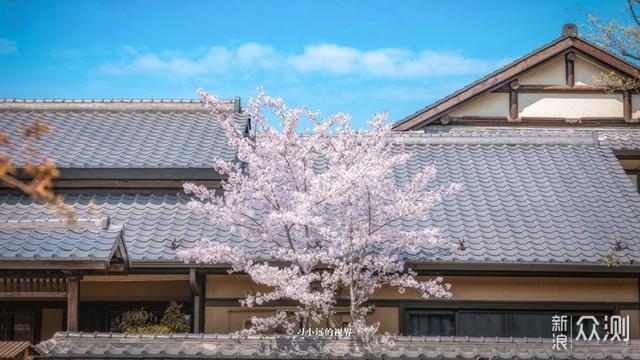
{"x": 140, "y": 321}
{"x": 149, "y": 329}
{"x": 137, "y": 318}
{"x": 174, "y": 318}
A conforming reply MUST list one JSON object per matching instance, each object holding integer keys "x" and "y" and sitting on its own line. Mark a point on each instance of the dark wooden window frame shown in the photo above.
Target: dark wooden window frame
{"x": 507, "y": 318}
{"x": 408, "y": 312}
{"x": 36, "y": 308}
{"x": 457, "y": 306}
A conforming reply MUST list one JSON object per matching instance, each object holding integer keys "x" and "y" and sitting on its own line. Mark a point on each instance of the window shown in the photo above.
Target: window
{"x": 431, "y": 324}
{"x": 113, "y": 319}
{"x": 17, "y": 326}
{"x": 532, "y": 325}
{"x": 481, "y": 324}
{"x": 23, "y": 326}
{"x": 477, "y": 323}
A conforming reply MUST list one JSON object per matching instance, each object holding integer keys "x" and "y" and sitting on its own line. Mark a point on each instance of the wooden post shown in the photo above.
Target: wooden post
{"x": 195, "y": 291}
{"x": 570, "y": 69}
{"x": 72, "y": 303}
{"x": 626, "y": 105}
{"x": 513, "y": 100}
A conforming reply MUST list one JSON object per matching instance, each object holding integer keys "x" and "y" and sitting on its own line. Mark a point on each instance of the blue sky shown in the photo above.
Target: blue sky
{"x": 359, "y": 57}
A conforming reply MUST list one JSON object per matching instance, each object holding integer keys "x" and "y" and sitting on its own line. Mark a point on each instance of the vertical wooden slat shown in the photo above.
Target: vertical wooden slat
{"x": 72, "y": 304}
{"x": 195, "y": 291}
{"x": 570, "y": 69}
{"x": 513, "y": 100}
{"x": 626, "y": 105}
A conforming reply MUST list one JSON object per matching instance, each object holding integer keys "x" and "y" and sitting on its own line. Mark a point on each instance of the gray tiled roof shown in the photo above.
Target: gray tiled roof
{"x": 621, "y": 138}
{"x": 199, "y": 346}
{"x": 560, "y": 202}
{"x": 531, "y": 203}
{"x": 58, "y": 244}
{"x": 152, "y": 224}
{"x": 121, "y": 134}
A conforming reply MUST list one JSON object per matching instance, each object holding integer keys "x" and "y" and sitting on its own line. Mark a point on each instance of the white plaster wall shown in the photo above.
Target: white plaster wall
{"x": 487, "y": 105}
{"x": 585, "y": 71}
{"x": 635, "y": 106}
{"x": 551, "y": 73}
{"x": 570, "y": 105}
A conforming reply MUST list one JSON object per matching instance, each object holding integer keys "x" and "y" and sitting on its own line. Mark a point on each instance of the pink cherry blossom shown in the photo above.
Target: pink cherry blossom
{"x": 324, "y": 208}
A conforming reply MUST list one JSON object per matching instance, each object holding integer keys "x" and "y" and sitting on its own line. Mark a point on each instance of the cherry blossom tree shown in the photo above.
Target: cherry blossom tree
{"x": 323, "y": 210}
{"x": 19, "y": 159}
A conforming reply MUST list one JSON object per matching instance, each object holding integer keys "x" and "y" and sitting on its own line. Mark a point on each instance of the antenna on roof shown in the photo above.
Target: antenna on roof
{"x": 569, "y": 29}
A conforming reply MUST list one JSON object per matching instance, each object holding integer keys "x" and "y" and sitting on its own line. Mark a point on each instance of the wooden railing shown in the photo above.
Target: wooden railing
{"x": 27, "y": 287}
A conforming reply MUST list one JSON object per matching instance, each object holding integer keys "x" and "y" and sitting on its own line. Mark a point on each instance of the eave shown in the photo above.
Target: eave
{"x": 447, "y": 268}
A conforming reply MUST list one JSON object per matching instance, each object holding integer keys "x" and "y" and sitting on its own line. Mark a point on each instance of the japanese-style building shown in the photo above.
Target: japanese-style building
{"x": 549, "y": 160}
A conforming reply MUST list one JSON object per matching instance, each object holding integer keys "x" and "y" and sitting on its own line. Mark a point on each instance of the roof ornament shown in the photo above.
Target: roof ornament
{"x": 175, "y": 243}
{"x": 570, "y": 30}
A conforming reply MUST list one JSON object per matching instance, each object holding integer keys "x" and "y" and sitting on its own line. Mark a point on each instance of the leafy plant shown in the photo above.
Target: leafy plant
{"x": 135, "y": 319}
{"x": 611, "y": 259}
{"x": 174, "y": 318}
{"x": 149, "y": 329}
{"x": 140, "y": 321}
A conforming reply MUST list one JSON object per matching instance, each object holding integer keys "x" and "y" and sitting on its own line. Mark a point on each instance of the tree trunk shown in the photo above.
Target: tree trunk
{"x": 353, "y": 306}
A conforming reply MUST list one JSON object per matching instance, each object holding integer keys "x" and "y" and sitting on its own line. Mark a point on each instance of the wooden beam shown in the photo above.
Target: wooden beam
{"x": 196, "y": 314}
{"x": 130, "y": 184}
{"x": 197, "y": 298}
{"x": 605, "y": 58}
{"x": 53, "y": 265}
{"x": 552, "y": 121}
{"x": 193, "y": 282}
{"x": 135, "y": 278}
{"x": 570, "y": 76}
{"x": 72, "y": 303}
{"x": 578, "y": 89}
{"x": 626, "y": 106}
{"x": 40, "y": 295}
{"x": 202, "y": 281}
{"x": 513, "y": 101}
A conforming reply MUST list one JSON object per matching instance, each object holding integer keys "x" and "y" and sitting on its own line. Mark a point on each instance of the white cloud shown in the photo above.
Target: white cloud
{"x": 215, "y": 60}
{"x": 7, "y": 46}
{"x": 331, "y": 59}
{"x": 252, "y": 54}
{"x": 326, "y": 58}
{"x": 389, "y": 62}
